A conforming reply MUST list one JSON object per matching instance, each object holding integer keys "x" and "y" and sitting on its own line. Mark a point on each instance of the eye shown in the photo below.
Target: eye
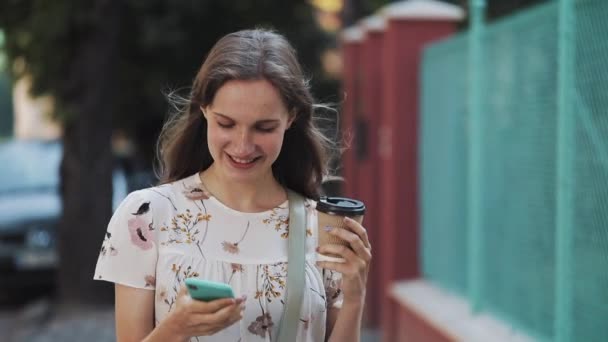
{"x": 266, "y": 129}
{"x": 225, "y": 124}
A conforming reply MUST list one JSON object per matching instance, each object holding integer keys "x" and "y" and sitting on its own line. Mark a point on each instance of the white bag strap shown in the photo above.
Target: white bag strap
{"x": 288, "y": 327}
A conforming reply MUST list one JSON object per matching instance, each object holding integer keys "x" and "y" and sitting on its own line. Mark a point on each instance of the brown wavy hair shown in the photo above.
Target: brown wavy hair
{"x": 248, "y": 55}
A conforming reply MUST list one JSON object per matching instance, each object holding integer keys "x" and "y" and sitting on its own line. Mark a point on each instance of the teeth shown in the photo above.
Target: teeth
{"x": 242, "y": 161}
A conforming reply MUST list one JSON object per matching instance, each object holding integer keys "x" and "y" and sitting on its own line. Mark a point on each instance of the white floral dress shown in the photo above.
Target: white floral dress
{"x": 162, "y": 235}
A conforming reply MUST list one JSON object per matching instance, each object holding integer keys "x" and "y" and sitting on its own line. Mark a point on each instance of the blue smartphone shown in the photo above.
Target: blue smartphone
{"x": 207, "y": 290}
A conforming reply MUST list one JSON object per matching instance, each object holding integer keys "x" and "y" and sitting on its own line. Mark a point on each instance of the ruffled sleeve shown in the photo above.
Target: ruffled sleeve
{"x": 129, "y": 250}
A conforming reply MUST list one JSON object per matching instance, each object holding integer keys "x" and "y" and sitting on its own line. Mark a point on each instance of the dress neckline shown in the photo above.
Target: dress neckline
{"x": 195, "y": 182}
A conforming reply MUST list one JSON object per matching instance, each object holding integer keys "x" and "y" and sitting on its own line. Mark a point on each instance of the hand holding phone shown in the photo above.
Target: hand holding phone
{"x": 206, "y": 315}
{"x": 207, "y": 290}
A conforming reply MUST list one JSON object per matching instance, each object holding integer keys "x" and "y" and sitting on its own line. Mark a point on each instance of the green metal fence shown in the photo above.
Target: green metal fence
{"x": 444, "y": 210}
{"x": 514, "y": 169}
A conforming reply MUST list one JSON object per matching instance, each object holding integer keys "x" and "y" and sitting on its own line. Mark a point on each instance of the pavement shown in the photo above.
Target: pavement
{"x": 36, "y": 322}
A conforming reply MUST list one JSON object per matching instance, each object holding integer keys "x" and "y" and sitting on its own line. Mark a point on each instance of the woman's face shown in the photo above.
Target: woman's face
{"x": 245, "y": 126}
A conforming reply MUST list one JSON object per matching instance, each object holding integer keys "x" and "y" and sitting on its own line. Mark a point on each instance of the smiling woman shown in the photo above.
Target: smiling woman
{"x": 261, "y": 68}
{"x": 246, "y": 124}
{"x": 244, "y": 140}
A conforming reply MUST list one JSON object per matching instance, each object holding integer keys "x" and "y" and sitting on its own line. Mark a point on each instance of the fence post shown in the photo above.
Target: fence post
{"x": 565, "y": 163}
{"x": 477, "y": 11}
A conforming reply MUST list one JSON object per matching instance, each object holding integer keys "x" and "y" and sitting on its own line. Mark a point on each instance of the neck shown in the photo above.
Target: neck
{"x": 263, "y": 194}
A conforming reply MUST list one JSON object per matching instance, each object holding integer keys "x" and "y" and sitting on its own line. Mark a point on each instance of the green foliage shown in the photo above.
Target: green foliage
{"x": 162, "y": 44}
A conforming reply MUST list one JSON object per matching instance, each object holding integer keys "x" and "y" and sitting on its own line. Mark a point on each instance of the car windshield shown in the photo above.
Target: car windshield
{"x": 29, "y": 166}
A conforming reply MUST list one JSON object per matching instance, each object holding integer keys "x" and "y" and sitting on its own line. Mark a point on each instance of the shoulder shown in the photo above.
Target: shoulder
{"x": 150, "y": 199}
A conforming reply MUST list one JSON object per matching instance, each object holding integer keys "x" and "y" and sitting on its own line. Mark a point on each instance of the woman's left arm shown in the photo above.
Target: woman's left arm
{"x": 345, "y": 324}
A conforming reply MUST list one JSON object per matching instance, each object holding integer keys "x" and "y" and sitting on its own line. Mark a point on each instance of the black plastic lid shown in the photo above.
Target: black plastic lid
{"x": 340, "y": 206}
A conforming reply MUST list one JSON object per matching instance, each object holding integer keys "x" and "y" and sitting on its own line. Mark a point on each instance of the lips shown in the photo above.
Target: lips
{"x": 242, "y": 162}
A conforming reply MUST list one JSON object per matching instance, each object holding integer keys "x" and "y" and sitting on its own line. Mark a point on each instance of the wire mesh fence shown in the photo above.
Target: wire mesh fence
{"x": 542, "y": 264}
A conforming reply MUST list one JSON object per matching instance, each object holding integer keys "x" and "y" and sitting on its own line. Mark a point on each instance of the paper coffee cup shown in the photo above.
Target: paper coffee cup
{"x": 331, "y": 213}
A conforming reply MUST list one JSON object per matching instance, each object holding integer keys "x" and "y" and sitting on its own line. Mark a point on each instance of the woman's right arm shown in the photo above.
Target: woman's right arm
{"x": 135, "y": 316}
{"x": 134, "y": 311}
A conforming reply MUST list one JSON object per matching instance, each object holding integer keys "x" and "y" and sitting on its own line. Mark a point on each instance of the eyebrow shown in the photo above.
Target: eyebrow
{"x": 257, "y": 122}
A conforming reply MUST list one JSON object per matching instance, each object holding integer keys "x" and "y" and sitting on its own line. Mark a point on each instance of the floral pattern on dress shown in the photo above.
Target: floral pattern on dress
{"x": 333, "y": 289}
{"x": 107, "y": 247}
{"x": 233, "y": 247}
{"x": 140, "y": 232}
{"x": 195, "y": 193}
{"x": 273, "y": 282}
{"x": 262, "y": 325}
{"x": 200, "y": 237}
{"x": 279, "y": 220}
{"x": 181, "y": 273}
{"x": 184, "y": 229}
{"x": 236, "y": 268}
{"x": 273, "y": 279}
{"x": 150, "y": 281}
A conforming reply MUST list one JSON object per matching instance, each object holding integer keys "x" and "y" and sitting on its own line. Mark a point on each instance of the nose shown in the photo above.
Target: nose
{"x": 244, "y": 143}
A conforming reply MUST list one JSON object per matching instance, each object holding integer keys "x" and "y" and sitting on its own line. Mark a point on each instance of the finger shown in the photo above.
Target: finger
{"x": 238, "y": 314}
{"x": 222, "y": 317}
{"x": 354, "y": 241}
{"x": 213, "y": 324}
{"x": 358, "y": 229}
{"x": 212, "y": 306}
{"x": 346, "y": 253}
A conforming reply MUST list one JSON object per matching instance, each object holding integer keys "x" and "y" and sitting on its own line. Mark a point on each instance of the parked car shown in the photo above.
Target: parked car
{"x": 30, "y": 207}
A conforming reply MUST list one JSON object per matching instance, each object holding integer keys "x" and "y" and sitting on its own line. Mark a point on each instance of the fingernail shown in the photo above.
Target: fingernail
{"x": 346, "y": 219}
{"x": 244, "y": 297}
{"x": 239, "y": 300}
{"x": 327, "y": 228}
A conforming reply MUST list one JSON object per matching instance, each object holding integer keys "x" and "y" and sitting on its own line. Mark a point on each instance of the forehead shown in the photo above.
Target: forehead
{"x": 256, "y": 99}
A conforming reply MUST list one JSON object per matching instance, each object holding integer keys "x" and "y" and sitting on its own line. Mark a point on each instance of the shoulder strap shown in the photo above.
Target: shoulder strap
{"x": 295, "y": 268}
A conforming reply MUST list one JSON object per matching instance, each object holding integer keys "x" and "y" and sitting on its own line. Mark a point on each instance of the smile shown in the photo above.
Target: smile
{"x": 242, "y": 162}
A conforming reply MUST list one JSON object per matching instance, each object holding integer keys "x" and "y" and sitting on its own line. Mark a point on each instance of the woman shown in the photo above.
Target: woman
{"x": 221, "y": 213}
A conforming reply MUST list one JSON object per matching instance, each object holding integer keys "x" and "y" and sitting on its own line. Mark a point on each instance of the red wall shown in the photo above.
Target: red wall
{"x": 371, "y": 88}
{"x": 382, "y": 89}
{"x": 398, "y": 195}
{"x": 351, "y": 52}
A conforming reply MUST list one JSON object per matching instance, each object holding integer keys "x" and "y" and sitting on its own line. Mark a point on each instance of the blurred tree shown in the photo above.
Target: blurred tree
{"x": 6, "y": 103}
{"x": 6, "y": 106}
{"x": 106, "y": 62}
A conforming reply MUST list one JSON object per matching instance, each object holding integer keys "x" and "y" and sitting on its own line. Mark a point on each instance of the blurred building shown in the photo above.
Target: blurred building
{"x": 21, "y": 115}
{"x": 33, "y": 116}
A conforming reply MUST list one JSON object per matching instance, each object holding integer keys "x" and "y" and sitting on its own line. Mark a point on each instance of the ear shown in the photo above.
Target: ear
{"x": 290, "y": 121}
{"x": 204, "y": 111}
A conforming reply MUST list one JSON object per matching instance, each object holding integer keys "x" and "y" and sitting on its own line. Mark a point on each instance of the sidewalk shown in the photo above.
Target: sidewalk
{"x": 35, "y": 324}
